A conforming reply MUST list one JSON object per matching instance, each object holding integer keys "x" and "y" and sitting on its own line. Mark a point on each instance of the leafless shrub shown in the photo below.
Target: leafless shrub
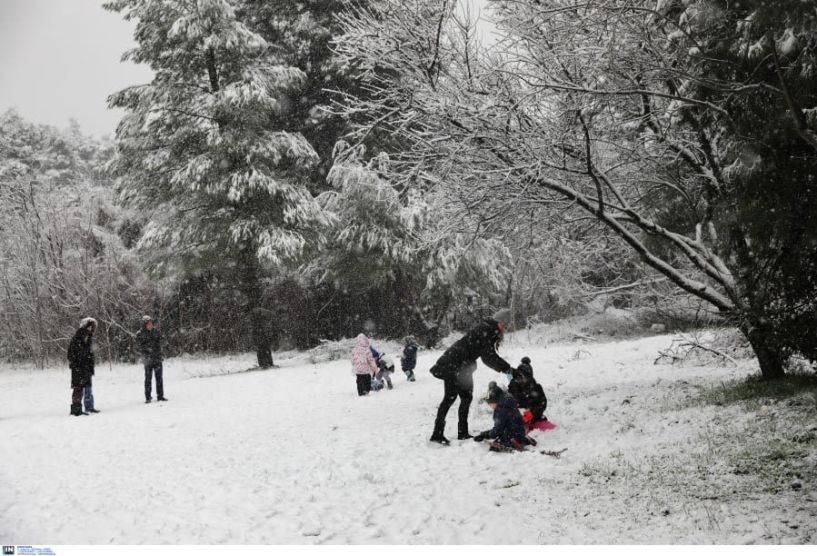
{"x": 705, "y": 348}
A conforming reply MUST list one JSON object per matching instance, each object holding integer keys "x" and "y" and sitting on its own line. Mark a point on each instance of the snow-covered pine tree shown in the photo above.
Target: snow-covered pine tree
{"x": 205, "y": 149}
{"x": 301, "y": 34}
{"x": 412, "y": 244}
{"x": 756, "y": 61}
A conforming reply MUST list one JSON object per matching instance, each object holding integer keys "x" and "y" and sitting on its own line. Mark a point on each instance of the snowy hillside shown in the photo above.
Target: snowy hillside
{"x": 292, "y": 455}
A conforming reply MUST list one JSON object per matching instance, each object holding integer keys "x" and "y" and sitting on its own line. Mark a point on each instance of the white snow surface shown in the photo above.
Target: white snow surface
{"x": 293, "y": 456}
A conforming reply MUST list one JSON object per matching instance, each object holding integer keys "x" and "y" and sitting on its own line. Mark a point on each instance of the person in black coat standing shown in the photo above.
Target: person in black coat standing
{"x": 81, "y": 363}
{"x": 456, "y": 368}
{"x": 149, "y": 345}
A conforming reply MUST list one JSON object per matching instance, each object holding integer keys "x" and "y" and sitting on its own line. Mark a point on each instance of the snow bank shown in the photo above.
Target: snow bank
{"x": 293, "y": 455}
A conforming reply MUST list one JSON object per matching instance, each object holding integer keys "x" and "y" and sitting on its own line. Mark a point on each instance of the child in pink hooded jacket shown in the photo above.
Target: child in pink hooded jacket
{"x": 363, "y": 365}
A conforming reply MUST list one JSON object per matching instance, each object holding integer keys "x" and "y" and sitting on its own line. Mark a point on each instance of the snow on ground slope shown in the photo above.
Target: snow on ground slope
{"x": 292, "y": 455}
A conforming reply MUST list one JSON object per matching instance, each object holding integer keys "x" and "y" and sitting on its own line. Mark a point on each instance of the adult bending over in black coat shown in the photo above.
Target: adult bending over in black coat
{"x": 456, "y": 368}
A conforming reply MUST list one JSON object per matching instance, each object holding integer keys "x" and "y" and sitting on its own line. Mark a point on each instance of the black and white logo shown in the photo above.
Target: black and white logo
{"x": 8, "y": 550}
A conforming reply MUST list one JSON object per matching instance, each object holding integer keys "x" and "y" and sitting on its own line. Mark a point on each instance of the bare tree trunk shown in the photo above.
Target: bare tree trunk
{"x": 38, "y": 312}
{"x": 769, "y": 356}
{"x": 34, "y": 222}
{"x": 251, "y": 287}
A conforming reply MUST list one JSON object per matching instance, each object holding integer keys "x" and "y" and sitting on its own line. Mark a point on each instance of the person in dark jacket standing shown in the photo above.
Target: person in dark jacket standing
{"x": 81, "y": 363}
{"x": 148, "y": 343}
{"x": 456, "y": 368}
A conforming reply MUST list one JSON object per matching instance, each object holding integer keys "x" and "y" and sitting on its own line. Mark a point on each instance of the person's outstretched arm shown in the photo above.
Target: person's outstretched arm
{"x": 493, "y": 360}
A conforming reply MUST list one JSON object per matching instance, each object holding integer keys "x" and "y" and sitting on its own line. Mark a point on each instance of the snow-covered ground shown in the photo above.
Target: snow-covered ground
{"x": 293, "y": 455}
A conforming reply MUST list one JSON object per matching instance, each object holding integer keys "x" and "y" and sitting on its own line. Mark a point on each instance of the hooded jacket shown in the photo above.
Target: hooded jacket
{"x": 80, "y": 359}
{"x": 480, "y": 342}
{"x": 363, "y": 362}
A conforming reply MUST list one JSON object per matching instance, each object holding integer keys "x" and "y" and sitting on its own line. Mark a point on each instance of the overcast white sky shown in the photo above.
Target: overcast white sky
{"x": 60, "y": 59}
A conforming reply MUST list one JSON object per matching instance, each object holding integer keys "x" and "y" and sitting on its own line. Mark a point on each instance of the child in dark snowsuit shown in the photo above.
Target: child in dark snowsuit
{"x": 528, "y": 393}
{"x": 409, "y": 359}
{"x": 509, "y": 429}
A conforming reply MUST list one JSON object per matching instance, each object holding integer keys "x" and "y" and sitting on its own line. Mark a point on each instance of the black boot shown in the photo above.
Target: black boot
{"x": 76, "y": 409}
{"x": 437, "y": 435}
{"x": 440, "y": 439}
{"x": 464, "y": 436}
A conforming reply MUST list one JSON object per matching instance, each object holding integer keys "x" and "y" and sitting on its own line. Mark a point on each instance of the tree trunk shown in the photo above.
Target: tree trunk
{"x": 769, "y": 356}
{"x": 404, "y": 302}
{"x": 261, "y": 339}
{"x": 251, "y": 287}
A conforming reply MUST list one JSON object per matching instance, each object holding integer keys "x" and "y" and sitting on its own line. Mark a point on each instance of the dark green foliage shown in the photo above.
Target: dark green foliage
{"x": 757, "y": 390}
{"x": 300, "y": 35}
{"x": 210, "y": 148}
{"x": 767, "y": 216}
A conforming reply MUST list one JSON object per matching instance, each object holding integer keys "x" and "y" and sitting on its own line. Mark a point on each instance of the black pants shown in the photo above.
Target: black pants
{"x": 462, "y": 385}
{"x": 364, "y": 384}
{"x": 151, "y": 368}
{"x": 538, "y": 410}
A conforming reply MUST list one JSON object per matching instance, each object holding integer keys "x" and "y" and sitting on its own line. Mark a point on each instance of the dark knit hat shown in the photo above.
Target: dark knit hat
{"x": 495, "y": 393}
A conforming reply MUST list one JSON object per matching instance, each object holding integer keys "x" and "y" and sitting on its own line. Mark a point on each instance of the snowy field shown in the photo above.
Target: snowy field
{"x": 292, "y": 455}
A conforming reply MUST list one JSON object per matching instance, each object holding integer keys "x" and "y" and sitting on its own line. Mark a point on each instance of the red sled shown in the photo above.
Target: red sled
{"x": 539, "y": 426}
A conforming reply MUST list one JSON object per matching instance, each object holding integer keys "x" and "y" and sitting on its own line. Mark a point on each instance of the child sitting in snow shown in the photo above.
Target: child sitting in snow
{"x": 409, "y": 359}
{"x": 529, "y": 394}
{"x": 509, "y": 429}
{"x": 363, "y": 365}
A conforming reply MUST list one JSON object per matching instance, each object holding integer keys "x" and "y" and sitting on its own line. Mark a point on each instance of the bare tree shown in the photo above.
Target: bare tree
{"x": 583, "y": 110}
{"x": 57, "y": 264}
